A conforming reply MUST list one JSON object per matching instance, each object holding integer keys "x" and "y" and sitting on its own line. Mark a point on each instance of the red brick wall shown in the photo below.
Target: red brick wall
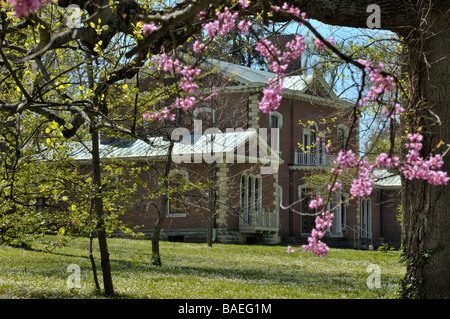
{"x": 384, "y": 217}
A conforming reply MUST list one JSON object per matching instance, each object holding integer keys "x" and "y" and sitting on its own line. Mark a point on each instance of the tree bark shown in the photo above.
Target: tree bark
{"x": 98, "y": 211}
{"x": 427, "y": 226}
{"x": 424, "y": 24}
{"x": 211, "y": 203}
{"x": 162, "y": 212}
{"x": 94, "y": 267}
{"x": 395, "y": 14}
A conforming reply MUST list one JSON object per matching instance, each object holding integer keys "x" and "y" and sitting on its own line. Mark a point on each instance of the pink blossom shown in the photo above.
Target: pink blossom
{"x": 294, "y": 48}
{"x": 415, "y": 166}
{"x": 185, "y": 103}
{"x": 146, "y": 115}
{"x": 187, "y": 82}
{"x": 346, "y": 159}
{"x": 334, "y": 187}
{"x": 267, "y": 50}
{"x": 277, "y": 63}
{"x": 224, "y": 23}
{"x": 315, "y": 203}
{"x": 321, "y": 45}
{"x": 244, "y": 26}
{"x": 315, "y": 245}
{"x": 275, "y": 8}
{"x": 167, "y": 115}
{"x": 383, "y": 160}
{"x": 201, "y": 15}
{"x": 293, "y": 10}
{"x": 271, "y": 97}
{"x": 198, "y": 46}
{"x": 149, "y": 28}
{"x": 167, "y": 64}
{"x": 244, "y": 4}
{"x": 361, "y": 187}
{"x": 382, "y": 83}
{"x": 290, "y": 250}
{"x": 23, "y": 8}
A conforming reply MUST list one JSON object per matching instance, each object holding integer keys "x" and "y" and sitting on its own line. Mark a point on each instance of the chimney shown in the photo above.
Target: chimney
{"x": 280, "y": 41}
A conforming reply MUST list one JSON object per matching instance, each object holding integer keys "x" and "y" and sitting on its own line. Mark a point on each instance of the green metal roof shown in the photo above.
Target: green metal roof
{"x": 387, "y": 179}
{"x": 157, "y": 147}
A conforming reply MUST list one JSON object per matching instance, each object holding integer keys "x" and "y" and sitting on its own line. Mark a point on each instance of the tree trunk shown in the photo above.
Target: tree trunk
{"x": 426, "y": 221}
{"x": 425, "y": 26}
{"x": 211, "y": 203}
{"x": 94, "y": 267}
{"x": 162, "y": 212}
{"x": 98, "y": 210}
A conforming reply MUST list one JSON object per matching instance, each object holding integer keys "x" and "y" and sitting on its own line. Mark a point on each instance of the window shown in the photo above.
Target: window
{"x": 244, "y": 192}
{"x": 251, "y": 196}
{"x": 244, "y": 197}
{"x": 343, "y": 210}
{"x": 280, "y": 201}
{"x": 342, "y": 135}
{"x": 258, "y": 194}
{"x": 340, "y": 218}
{"x": 309, "y": 144}
{"x": 251, "y": 189}
{"x": 276, "y": 120}
{"x": 366, "y": 218}
{"x": 177, "y": 205}
{"x": 306, "y": 194}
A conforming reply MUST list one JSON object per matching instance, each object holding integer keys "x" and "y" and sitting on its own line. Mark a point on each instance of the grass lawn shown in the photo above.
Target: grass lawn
{"x": 195, "y": 271}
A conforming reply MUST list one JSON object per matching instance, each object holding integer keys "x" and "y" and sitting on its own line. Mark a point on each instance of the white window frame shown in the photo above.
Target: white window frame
{"x": 366, "y": 217}
{"x": 275, "y": 131}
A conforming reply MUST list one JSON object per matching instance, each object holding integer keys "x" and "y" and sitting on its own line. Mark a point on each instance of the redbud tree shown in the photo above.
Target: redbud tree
{"x": 145, "y": 34}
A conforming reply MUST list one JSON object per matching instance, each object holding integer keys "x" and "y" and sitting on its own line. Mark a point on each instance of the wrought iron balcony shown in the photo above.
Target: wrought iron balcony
{"x": 303, "y": 158}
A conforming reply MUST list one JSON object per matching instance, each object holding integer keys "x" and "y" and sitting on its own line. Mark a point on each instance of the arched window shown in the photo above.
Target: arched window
{"x": 244, "y": 192}
{"x": 251, "y": 193}
{"x": 276, "y": 121}
{"x": 258, "y": 193}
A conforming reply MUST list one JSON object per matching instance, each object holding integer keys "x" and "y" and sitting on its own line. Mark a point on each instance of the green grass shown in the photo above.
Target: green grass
{"x": 195, "y": 271}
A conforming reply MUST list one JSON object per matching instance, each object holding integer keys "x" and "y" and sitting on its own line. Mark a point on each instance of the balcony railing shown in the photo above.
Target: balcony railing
{"x": 258, "y": 221}
{"x": 312, "y": 158}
